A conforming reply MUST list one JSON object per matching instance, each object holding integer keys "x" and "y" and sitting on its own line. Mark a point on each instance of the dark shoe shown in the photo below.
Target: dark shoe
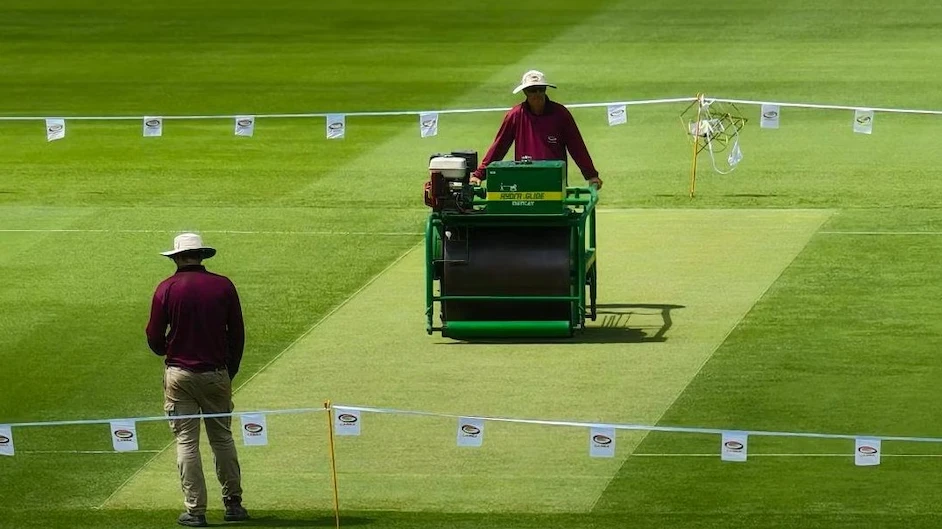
{"x": 235, "y": 512}
{"x": 192, "y": 520}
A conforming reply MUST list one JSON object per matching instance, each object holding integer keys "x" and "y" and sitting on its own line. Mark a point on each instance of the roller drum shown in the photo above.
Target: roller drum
{"x": 502, "y": 261}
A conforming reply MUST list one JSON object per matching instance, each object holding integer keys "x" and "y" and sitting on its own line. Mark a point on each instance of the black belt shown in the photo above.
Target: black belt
{"x": 198, "y": 370}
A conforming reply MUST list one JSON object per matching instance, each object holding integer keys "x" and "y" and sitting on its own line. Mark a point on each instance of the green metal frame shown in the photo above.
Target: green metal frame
{"x": 578, "y": 214}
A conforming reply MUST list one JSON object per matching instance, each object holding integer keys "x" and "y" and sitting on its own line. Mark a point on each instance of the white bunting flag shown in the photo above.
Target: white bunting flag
{"x": 602, "y": 442}
{"x": 735, "y": 154}
{"x": 254, "y": 429}
{"x": 245, "y": 126}
{"x": 336, "y": 125}
{"x": 617, "y": 115}
{"x": 866, "y": 452}
{"x": 55, "y": 129}
{"x": 863, "y": 121}
{"x": 470, "y": 431}
{"x": 770, "y": 115}
{"x": 734, "y": 446}
{"x": 428, "y": 124}
{"x": 347, "y": 422}
{"x": 124, "y": 436}
{"x": 6, "y": 440}
{"x": 153, "y": 127}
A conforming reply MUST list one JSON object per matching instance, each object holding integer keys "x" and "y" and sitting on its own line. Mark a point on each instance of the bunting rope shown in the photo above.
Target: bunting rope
{"x": 488, "y": 418}
{"x": 616, "y": 111}
{"x": 820, "y": 106}
{"x": 639, "y": 427}
{"x": 345, "y": 420}
{"x": 351, "y": 114}
{"x": 828, "y": 107}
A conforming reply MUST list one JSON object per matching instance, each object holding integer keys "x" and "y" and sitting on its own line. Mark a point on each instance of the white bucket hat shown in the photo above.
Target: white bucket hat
{"x": 188, "y": 242}
{"x": 532, "y": 78}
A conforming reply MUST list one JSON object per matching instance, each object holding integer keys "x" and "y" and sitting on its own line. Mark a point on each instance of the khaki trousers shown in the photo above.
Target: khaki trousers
{"x": 189, "y": 393}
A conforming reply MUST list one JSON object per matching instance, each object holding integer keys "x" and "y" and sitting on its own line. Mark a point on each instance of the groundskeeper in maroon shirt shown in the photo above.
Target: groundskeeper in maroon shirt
{"x": 542, "y": 137}
{"x": 204, "y": 314}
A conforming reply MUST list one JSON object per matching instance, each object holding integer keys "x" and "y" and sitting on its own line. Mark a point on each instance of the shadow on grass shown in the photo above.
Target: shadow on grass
{"x": 85, "y": 519}
{"x": 615, "y": 319}
{"x": 149, "y": 519}
{"x": 613, "y": 326}
{"x": 275, "y": 521}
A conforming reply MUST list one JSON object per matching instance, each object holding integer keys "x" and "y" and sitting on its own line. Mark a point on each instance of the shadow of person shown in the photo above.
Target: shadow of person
{"x": 320, "y": 521}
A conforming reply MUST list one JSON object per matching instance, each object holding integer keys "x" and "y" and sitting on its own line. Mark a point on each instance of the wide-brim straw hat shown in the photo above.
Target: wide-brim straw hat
{"x": 189, "y": 242}
{"x": 532, "y": 78}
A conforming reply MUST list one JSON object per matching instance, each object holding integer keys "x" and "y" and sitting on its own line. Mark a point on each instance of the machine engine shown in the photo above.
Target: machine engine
{"x": 449, "y": 187}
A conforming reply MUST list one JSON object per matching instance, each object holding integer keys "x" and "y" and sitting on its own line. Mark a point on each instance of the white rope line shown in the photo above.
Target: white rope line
{"x": 545, "y": 422}
{"x": 224, "y": 232}
{"x": 751, "y": 455}
{"x": 477, "y": 110}
{"x": 636, "y": 102}
{"x": 828, "y": 107}
{"x": 642, "y": 427}
{"x": 383, "y": 233}
{"x": 72, "y": 452}
{"x": 347, "y": 114}
{"x": 881, "y": 232}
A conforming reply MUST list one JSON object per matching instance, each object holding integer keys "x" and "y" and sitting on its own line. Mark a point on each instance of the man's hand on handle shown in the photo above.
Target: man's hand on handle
{"x": 475, "y": 181}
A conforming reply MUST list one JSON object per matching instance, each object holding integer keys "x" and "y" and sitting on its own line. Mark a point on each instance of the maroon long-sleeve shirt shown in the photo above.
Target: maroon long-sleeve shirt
{"x": 204, "y": 314}
{"x": 542, "y": 137}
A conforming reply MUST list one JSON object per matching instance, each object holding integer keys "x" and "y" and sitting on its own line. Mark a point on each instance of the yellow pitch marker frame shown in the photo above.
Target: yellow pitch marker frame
{"x": 710, "y": 125}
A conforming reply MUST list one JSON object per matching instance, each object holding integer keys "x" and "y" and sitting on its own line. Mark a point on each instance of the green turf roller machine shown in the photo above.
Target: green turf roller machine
{"x": 513, "y": 258}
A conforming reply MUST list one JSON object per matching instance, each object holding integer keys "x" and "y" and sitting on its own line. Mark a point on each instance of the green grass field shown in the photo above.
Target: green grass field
{"x": 798, "y": 294}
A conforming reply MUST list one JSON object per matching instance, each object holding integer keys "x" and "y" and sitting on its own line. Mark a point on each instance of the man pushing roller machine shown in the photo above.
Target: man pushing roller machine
{"x": 510, "y": 244}
{"x": 540, "y": 129}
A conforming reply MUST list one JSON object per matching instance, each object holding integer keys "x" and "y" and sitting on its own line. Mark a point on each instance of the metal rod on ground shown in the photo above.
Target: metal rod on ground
{"x": 429, "y": 275}
{"x": 696, "y": 141}
{"x": 333, "y": 460}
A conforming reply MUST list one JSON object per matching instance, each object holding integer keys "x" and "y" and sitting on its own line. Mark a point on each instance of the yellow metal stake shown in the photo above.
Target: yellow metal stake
{"x": 696, "y": 143}
{"x": 333, "y": 460}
